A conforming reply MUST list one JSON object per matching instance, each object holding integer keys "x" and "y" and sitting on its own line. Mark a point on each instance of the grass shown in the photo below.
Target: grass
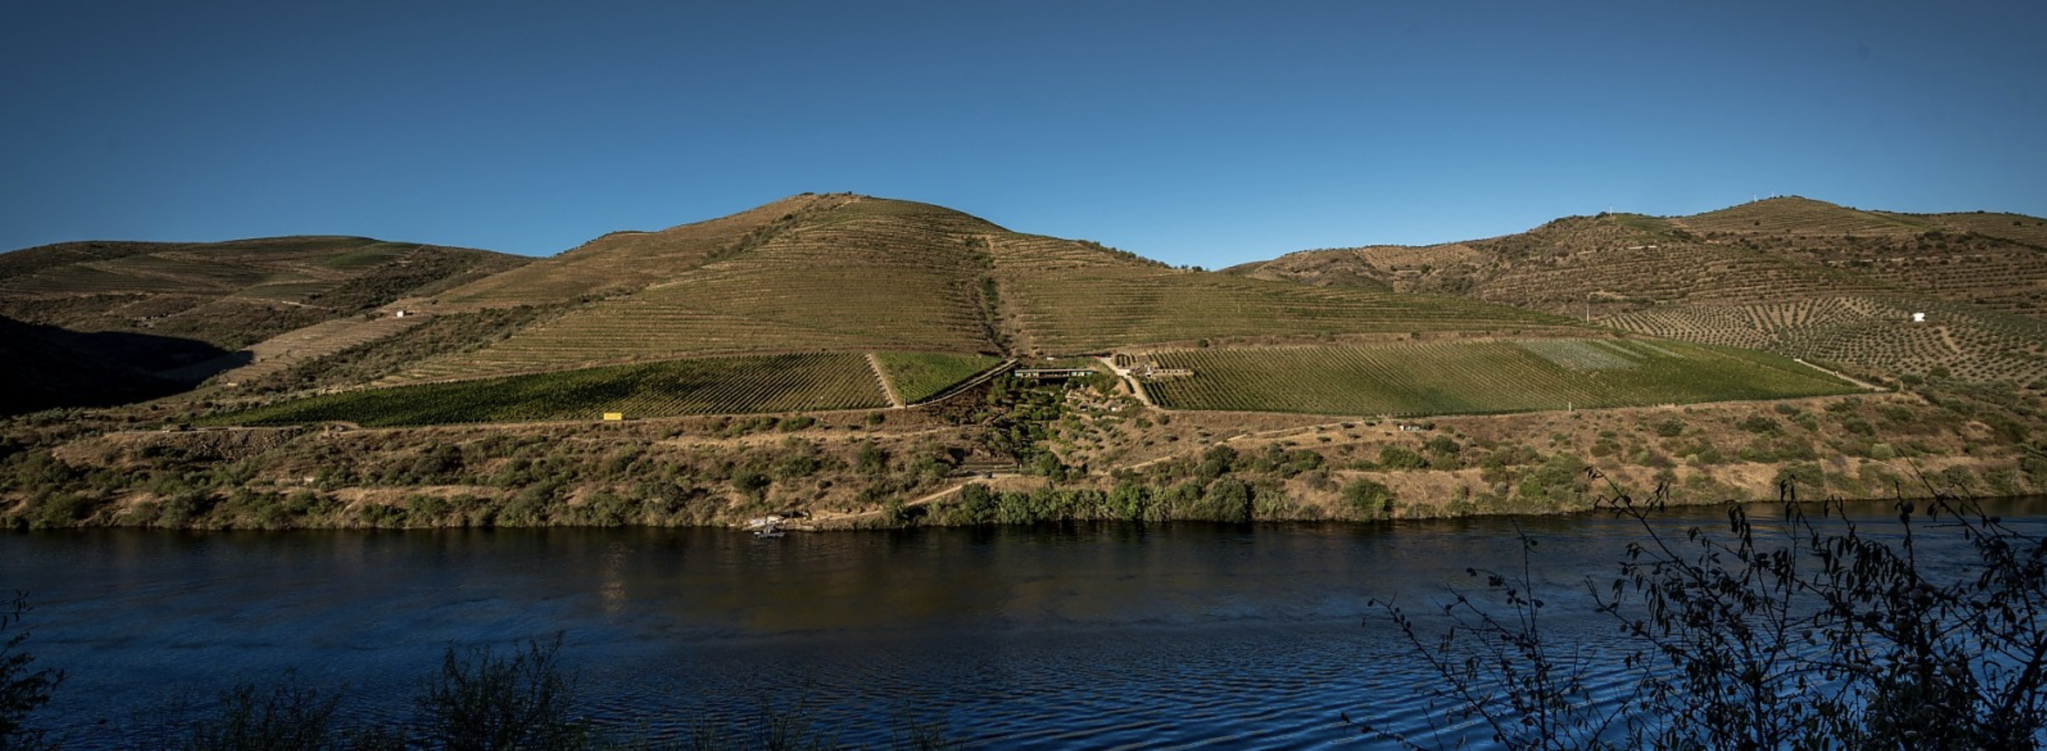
{"x": 1478, "y": 377}
{"x": 778, "y": 383}
{"x": 918, "y": 376}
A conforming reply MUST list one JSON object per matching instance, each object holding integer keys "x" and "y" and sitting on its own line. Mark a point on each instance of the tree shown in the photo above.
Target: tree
{"x": 1800, "y": 633}
{"x": 22, "y": 687}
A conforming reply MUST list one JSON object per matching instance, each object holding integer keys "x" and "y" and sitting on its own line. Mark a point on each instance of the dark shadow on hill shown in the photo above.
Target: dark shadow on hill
{"x": 47, "y": 367}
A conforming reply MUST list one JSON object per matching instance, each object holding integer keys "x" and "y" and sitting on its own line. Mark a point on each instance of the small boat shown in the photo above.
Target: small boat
{"x": 767, "y": 533}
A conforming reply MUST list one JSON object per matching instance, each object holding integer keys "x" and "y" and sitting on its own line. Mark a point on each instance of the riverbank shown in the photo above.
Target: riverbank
{"x": 1048, "y": 455}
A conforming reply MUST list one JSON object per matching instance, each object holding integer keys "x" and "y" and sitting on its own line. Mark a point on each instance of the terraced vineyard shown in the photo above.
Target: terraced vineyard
{"x": 861, "y": 275}
{"x": 719, "y": 385}
{"x": 1867, "y": 332}
{"x": 918, "y": 376}
{"x": 1068, "y": 297}
{"x": 1476, "y": 377}
{"x": 625, "y": 262}
{"x": 1634, "y": 277}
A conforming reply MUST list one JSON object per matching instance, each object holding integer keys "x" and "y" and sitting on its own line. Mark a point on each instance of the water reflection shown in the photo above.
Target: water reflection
{"x": 1051, "y": 637}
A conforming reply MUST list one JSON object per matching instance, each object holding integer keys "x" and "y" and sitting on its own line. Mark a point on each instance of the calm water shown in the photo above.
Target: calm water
{"x": 1090, "y": 637}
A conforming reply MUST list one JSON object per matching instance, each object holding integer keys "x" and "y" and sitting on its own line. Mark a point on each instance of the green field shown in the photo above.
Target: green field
{"x": 918, "y": 376}
{"x": 716, "y": 385}
{"x": 1478, "y": 377}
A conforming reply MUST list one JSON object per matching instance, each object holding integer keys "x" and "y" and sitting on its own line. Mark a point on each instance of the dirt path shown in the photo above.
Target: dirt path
{"x": 844, "y": 519}
{"x": 1845, "y": 377}
{"x": 285, "y": 351}
{"x": 1136, "y": 389}
{"x": 1949, "y": 337}
{"x": 880, "y": 374}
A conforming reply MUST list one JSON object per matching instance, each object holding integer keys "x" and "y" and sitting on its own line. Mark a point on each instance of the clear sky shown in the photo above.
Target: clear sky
{"x": 1201, "y": 133}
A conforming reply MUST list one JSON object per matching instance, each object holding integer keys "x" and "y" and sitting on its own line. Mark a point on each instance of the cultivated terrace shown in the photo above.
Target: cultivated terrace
{"x": 853, "y": 362}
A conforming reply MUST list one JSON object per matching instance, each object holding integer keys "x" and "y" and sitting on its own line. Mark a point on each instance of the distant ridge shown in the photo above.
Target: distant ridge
{"x": 1791, "y": 275}
{"x": 153, "y": 318}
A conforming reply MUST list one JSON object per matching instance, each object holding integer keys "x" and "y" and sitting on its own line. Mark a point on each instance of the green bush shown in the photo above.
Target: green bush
{"x": 1400, "y": 458}
{"x": 1367, "y": 499}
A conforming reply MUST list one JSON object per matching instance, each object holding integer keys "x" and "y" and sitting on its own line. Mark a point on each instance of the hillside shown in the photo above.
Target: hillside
{"x": 846, "y": 357}
{"x": 862, "y": 279}
{"x": 145, "y": 319}
{"x": 1795, "y": 276}
{"x": 228, "y": 294}
{"x": 843, "y": 273}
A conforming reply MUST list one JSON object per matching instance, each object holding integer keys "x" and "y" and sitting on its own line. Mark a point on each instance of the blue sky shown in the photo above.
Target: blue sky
{"x": 1192, "y": 132}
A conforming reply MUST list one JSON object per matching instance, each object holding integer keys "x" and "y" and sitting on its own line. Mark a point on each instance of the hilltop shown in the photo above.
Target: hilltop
{"x": 1795, "y": 276}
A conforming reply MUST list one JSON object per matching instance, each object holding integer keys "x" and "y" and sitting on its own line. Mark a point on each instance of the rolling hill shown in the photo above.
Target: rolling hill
{"x": 1794, "y": 276}
{"x": 146, "y": 319}
{"x": 900, "y": 296}
{"x": 842, "y": 273}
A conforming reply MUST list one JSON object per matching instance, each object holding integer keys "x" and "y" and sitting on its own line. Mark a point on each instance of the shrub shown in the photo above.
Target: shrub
{"x": 1367, "y": 499}
{"x": 1227, "y": 500}
{"x": 23, "y": 687}
{"x": 290, "y": 716}
{"x": 1804, "y": 632}
{"x": 485, "y": 701}
{"x": 1399, "y": 458}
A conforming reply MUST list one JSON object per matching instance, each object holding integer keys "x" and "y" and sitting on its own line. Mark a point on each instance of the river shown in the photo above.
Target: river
{"x": 1058, "y": 637}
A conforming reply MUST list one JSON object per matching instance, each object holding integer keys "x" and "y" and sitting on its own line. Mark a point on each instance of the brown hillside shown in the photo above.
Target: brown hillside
{"x": 628, "y": 261}
{"x": 1797, "y": 276}
{"x": 843, "y": 273}
{"x": 812, "y": 273}
{"x": 228, "y": 294}
{"x": 111, "y": 322}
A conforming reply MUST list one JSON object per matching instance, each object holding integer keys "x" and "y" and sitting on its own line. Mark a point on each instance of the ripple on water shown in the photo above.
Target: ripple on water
{"x": 1088, "y": 638}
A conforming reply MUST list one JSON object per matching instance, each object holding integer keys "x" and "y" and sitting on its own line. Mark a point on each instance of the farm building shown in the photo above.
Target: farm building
{"x": 1053, "y": 374}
